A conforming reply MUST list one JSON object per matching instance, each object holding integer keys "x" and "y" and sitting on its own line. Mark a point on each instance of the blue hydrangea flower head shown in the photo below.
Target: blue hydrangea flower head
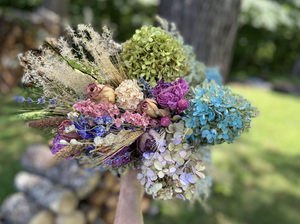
{"x": 217, "y": 115}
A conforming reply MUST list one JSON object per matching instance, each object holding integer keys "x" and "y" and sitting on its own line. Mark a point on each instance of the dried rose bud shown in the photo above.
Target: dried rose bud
{"x": 148, "y": 106}
{"x": 165, "y": 121}
{"x": 70, "y": 135}
{"x": 182, "y": 104}
{"x": 101, "y": 93}
{"x": 147, "y": 143}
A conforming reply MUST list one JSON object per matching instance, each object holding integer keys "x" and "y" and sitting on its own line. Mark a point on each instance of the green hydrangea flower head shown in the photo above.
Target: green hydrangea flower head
{"x": 153, "y": 54}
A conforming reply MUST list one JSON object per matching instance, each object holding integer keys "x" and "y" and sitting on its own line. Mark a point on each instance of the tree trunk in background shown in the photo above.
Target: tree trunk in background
{"x": 210, "y": 26}
{"x": 61, "y": 8}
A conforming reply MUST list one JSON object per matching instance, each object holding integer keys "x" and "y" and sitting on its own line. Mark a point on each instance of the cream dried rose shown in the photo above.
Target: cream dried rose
{"x": 101, "y": 93}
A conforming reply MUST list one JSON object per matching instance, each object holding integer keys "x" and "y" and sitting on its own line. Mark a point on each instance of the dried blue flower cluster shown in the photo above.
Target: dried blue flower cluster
{"x": 145, "y": 88}
{"x": 86, "y": 131}
{"x": 82, "y": 127}
{"x": 217, "y": 115}
{"x": 103, "y": 120}
{"x": 213, "y": 74}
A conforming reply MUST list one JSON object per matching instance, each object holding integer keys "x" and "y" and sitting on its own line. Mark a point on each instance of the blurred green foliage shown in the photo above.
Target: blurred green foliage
{"x": 122, "y": 17}
{"x": 268, "y": 40}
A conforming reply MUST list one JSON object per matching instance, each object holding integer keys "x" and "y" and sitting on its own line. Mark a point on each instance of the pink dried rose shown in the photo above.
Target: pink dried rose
{"x": 70, "y": 135}
{"x": 100, "y": 93}
{"x": 148, "y": 106}
{"x": 146, "y": 142}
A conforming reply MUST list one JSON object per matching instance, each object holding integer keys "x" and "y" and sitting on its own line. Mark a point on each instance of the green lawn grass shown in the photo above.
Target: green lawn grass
{"x": 256, "y": 179}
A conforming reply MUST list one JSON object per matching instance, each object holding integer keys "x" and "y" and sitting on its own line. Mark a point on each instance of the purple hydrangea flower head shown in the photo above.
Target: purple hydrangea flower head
{"x": 168, "y": 94}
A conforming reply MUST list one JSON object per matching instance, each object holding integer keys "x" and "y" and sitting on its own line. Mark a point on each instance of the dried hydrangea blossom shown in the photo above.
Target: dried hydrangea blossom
{"x": 153, "y": 54}
{"x": 172, "y": 171}
{"x": 168, "y": 94}
{"x": 217, "y": 115}
{"x": 128, "y": 95}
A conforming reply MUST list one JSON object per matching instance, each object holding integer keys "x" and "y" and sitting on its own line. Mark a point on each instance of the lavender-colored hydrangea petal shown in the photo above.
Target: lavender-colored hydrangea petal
{"x": 150, "y": 172}
{"x": 139, "y": 176}
{"x": 180, "y": 196}
{"x": 183, "y": 154}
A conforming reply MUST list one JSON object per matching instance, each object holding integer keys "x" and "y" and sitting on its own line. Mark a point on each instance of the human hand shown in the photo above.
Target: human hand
{"x": 129, "y": 204}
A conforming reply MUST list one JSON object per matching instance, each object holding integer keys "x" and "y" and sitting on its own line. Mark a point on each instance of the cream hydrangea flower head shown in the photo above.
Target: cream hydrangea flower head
{"x": 128, "y": 95}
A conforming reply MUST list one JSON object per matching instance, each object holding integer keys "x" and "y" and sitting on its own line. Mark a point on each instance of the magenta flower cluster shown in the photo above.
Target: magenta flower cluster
{"x": 96, "y": 110}
{"x": 135, "y": 119}
{"x": 168, "y": 94}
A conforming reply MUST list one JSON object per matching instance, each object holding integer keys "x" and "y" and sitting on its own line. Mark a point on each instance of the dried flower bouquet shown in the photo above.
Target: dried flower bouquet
{"x": 134, "y": 105}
